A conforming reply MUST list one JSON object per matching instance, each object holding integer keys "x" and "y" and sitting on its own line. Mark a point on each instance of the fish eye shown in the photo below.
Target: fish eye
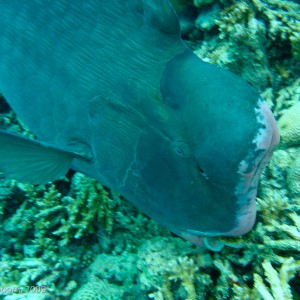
{"x": 182, "y": 149}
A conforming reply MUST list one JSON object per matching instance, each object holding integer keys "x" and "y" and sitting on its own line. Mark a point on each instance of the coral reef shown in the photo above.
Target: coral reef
{"x": 82, "y": 241}
{"x": 109, "y": 277}
{"x": 30, "y": 253}
{"x": 289, "y": 125}
{"x": 293, "y": 175}
{"x": 265, "y": 32}
{"x": 38, "y": 222}
{"x": 98, "y": 290}
{"x": 169, "y": 269}
{"x": 282, "y": 18}
{"x": 87, "y": 202}
{"x": 278, "y": 280}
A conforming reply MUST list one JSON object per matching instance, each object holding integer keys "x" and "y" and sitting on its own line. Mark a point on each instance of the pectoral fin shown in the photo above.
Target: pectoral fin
{"x": 32, "y": 161}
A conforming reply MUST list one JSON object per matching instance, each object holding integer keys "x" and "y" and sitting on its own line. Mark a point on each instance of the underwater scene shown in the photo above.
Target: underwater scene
{"x": 75, "y": 238}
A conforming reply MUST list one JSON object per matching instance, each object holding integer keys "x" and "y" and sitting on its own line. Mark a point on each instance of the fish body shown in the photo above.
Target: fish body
{"x": 110, "y": 90}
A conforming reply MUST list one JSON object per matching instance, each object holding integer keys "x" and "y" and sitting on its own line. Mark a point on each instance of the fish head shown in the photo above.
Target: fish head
{"x": 192, "y": 160}
{"x": 205, "y": 173}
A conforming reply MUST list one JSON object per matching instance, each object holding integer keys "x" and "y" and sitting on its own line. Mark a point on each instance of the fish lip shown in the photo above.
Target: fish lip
{"x": 245, "y": 221}
{"x": 209, "y": 240}
{"x": 201, "y": 240}
{"x": 250, "y": 169}
{"x": 264, "y": 143}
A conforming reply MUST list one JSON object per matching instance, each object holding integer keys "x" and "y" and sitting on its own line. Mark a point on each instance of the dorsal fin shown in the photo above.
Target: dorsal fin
{"x": 160, "y": 14}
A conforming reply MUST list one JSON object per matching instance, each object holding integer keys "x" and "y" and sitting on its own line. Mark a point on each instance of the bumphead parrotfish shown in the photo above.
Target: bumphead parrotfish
{"x": 110, "y": 90}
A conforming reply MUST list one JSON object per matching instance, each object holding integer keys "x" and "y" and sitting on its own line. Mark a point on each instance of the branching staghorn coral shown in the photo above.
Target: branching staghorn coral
{"x": 283, "y": 21}
{"x": 33, "y": 253}
{"x": 278, "y": 281}
{"x": 168, "y": 269}
{"x": 250, "y": 39}
{"x": 87, "y": 202}
{"x": 35, "y": 272}
{"x": 242, "y": 38}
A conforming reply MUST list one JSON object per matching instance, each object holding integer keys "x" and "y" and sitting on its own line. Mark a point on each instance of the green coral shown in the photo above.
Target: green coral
{"x": 289, "y": 125}
{"x": 110, "y": 277}
{"x": 278, "y": 281}
{"x": 293, "y": 175}
{"x": 87, "y": 203}
{"x": 241, "y": 38}
{"x": 98, "y": 289}
{"x": 255, "y": 39}
{"x": 39, "y": 225}
{"x": 283, "y": 22}
{"x": 168, "y": 269}
{"x": 284, "y": 98}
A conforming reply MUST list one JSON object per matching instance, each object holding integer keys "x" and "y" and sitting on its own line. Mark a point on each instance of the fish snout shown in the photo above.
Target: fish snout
{"x": 250, "y": 169}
